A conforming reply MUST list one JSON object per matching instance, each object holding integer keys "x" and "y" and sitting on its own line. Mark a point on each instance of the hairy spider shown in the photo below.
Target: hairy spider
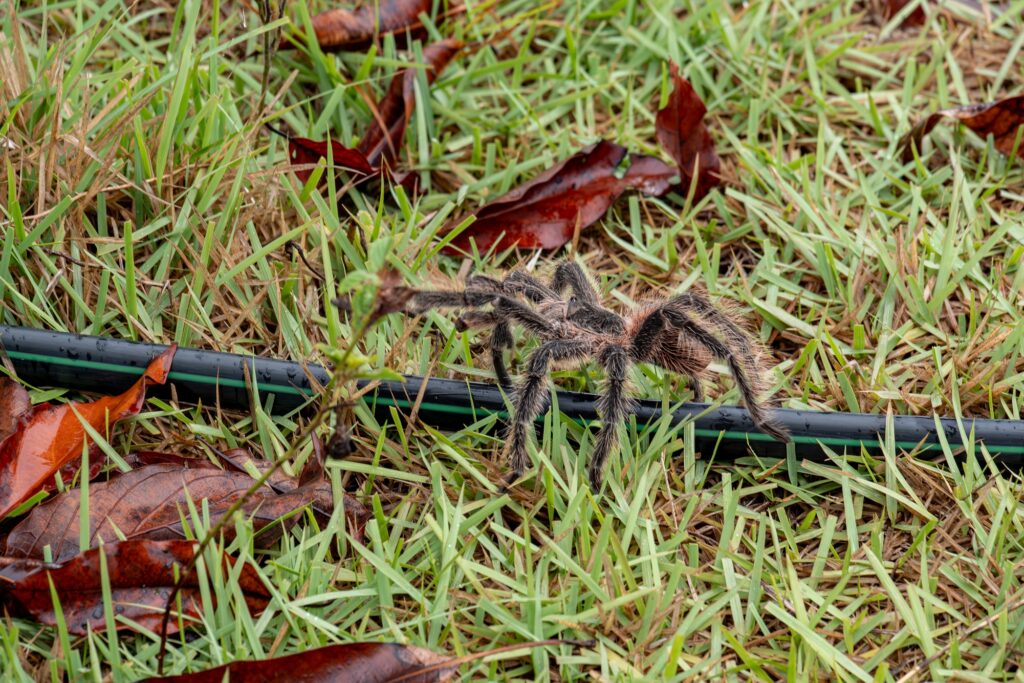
{"x": 681, "y": 334}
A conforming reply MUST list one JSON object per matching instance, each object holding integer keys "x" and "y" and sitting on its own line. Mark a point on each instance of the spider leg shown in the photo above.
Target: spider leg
{"x": 501, "y": 339}
{"x": 533, "y": 289}
{"x": 570, "y": 274}
{"x": 424, "y": 300}
{"x": 740, "y": 361}
{"x": 529, "y": 399}
{"x": 613, "y": 406}
{"x": 706, "y": 311}
{"x": 504, "y": 306}
{"x": 531, "y": 320}
{"x": 695, "y": 388}
{"x": 484, "y": 282}
{"x": 647, "y": 339}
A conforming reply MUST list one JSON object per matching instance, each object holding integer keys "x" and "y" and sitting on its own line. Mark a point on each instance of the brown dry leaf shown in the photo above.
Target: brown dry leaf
{"x": 349, "y": 29}
{"x": 303, "y": 151}
{"x": 380, "y": 145}
{"x": 362, "y": 662}
{"x": 547, "y": 211}
{"x": 374, "y": 157}
{"x": 1002, "y": 120}
{"x": 49, "y": 437}
{"x": 682, "y": 133}
{"x": 915, "y": 18}
{"x": 141, "y": 575}
{"x": 150, "y": 503}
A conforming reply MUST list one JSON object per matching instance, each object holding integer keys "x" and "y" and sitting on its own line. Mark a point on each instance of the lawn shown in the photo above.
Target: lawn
{"x": 145, "y": 199}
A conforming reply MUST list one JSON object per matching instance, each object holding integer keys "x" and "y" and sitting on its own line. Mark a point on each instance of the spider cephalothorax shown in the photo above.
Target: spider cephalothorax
{"x": 681, "y": 334}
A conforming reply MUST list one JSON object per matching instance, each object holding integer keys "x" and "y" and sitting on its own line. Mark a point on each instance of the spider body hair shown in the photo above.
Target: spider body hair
{"x": 682, "y": 334}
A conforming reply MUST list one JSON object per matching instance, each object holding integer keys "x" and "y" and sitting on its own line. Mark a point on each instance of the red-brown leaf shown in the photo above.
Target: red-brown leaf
{"x": 682, "y": 133}
{"x": 547, "y": 211}
{"x": 915, "y": 18}
{"x": 141, "y": 574}
{"x": 150, "y": 502}
{"x": 1000, "y": 119}
{"x": 14, "y": 402}
{"x": 303, "y": 151}
{"x": 343, "y": 29}
{"x": 48, "y": 437}
{"x": 363, "y": 662}
{"x": 381, "y": 144}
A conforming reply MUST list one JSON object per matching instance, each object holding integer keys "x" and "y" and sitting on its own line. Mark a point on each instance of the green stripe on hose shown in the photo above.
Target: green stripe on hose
{"x": 127, "y": 369}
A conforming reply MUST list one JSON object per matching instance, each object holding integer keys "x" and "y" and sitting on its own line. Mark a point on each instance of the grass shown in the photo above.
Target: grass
{"x": 144, "y": 200}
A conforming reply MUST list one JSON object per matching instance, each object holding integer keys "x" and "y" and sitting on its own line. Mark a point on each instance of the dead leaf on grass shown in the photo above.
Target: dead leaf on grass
{"x": 1002, "y": 120}
{"x": 141, "y": 576}
{"x": 48, "y": 437}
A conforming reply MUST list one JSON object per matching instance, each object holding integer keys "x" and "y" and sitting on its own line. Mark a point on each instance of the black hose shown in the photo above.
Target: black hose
{"x": 102, "y": 365}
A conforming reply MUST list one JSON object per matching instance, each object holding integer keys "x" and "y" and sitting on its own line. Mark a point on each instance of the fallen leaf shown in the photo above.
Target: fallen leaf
{"x": 14, "y": 402}
{"x": 239, "y": 458}
{"x": 376, "y": 152}
{"x": 49, "y": 437}
{"x": 150, "y": 503}
{"x": 141, "y": 575}
{"x": 682, "y": 133}
{"x": 547, "y": 211}
{"x": 343, "y": 29}
{"x": 363, "y": 662}
{"x": 1000, "y": 119}
{"x": 303, "y": 151}
{"x": 381, "y": 143}
{"x": 915, "y": 18}
{"x": 313, "y": 468}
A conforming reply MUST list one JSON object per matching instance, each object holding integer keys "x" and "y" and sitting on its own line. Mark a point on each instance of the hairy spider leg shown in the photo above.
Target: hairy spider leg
{"x": 529, "y": 399}
{"x": 648, "y": 340}
{"x": 570, "y": 274}
{"x": 505, "y": 306}
{"x": 533, "y": 289}
{"x": 424, "y": 300}
{"x": 613, "y": 406}
{"x": 683, "y": 323}
{"x": 501, "y": 334}
{"x": 515, "y": 283}
{"x": 501, "y": 339}
{"x": 531, "y": 320}
{"x": 712, "y": 316}
{"x": 506, "y": 310}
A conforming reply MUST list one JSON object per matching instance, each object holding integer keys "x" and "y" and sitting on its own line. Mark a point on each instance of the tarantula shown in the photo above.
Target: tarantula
{"x": 681, "y": 334}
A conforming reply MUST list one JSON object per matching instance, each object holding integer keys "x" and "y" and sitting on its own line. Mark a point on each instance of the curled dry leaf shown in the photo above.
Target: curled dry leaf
{"x": 377, "y": 151}
{"x": 381, "y": 143}
{"x": 343, "y": 29}
{"x": 682, "y": 133}
{"x": 151, "y": 502}
{"x": 547, "y": 211}
{"x": 363, "y": 662}
{"x": 141, "y": 575}
{"x": 1002, "y": 120}
{"x": 302, "y": 152}
{"x": 49, "y": 437}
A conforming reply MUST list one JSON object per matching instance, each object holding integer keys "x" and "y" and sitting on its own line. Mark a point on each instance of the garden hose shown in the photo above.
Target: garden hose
{"x": 108, "y": 366}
